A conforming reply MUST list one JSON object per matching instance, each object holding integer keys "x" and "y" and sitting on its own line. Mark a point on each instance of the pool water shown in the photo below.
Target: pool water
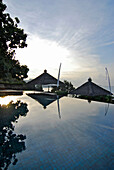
{"x": 52, "y": 133}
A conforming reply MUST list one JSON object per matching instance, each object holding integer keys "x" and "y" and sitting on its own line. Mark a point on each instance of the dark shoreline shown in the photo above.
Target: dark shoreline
{"x": 10, "y": 92}
{"x": 103, "y": 99}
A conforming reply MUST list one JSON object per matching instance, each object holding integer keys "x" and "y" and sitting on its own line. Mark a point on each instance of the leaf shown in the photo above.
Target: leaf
{"x": 17, "y": 20}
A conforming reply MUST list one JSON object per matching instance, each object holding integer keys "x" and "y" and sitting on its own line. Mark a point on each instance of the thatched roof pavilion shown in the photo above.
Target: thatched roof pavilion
{"x": 90, "y": 89}
{"x": 44, "y": 79}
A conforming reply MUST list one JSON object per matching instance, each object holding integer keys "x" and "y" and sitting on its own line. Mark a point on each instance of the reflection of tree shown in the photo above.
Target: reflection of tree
{"x": 11, "y": 143}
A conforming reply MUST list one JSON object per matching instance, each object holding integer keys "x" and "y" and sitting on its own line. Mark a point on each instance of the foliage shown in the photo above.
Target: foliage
{"x": 11, "y": 37}
{"x": 68, "y": 86}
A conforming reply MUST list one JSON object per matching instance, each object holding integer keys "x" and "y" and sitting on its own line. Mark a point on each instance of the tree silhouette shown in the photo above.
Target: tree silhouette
{"x": 11, "y": 37}
{"x": 11, "y": 143}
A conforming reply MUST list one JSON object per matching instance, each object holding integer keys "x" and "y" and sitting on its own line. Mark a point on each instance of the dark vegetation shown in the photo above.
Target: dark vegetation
{"x": 11, "y": 38}
{"x": 68, "y": 86}
{"x": 11, "y": 143}
{"x": 106, "y": 99}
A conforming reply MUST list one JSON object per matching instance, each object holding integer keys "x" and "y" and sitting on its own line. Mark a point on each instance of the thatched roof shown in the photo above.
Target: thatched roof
{"x": 44, "y": 79}
{"x": 91, "y": 89}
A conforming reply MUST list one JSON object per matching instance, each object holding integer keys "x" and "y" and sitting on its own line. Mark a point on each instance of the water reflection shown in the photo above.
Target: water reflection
{"x": 11, "y": 143}
{"x": 58, "y": 106}
{"x": 6, "y": 99}
{"x": 46, "y": 99}
{"x": 8, "y": 95}
{"x": 106, "y": 109}
{"x": 84, "y": 136}
{"x": 4, "y": 93}
{"x": 107, "y": 100}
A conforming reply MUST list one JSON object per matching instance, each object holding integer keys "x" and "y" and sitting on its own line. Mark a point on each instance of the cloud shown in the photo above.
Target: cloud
{"x": 69, "y": 23}
{"x": 108, "y": 43}
{"x": 75, "y": 29}
{"x": 45, "y": 54}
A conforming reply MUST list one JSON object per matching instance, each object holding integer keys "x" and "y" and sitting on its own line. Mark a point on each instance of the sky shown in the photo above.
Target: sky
{"x": 77, "y": 33}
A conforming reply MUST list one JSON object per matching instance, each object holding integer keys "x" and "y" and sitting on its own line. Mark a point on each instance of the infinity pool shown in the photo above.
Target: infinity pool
{"x": 55, "y": 133}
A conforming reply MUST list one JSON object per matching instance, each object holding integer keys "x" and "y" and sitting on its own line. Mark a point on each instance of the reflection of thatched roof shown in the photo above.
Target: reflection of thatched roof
{"x": 44, "y": 79}
{"x": 43, "y": 99}
{"x": 90, "y": 89}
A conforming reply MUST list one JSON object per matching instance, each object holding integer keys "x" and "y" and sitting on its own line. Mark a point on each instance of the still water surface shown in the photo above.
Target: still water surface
{"x": 49, "y": 133}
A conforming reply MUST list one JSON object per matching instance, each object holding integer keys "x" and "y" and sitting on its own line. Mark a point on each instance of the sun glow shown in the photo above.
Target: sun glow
{"x": 7, "y": 99}
{"x": 44, "y": 54}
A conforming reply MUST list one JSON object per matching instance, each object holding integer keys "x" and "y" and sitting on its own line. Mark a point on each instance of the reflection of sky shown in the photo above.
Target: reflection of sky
{"x": 77, "y": 33}
{"x": 5, "y": 100}
{"x": 83, "y": 135}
